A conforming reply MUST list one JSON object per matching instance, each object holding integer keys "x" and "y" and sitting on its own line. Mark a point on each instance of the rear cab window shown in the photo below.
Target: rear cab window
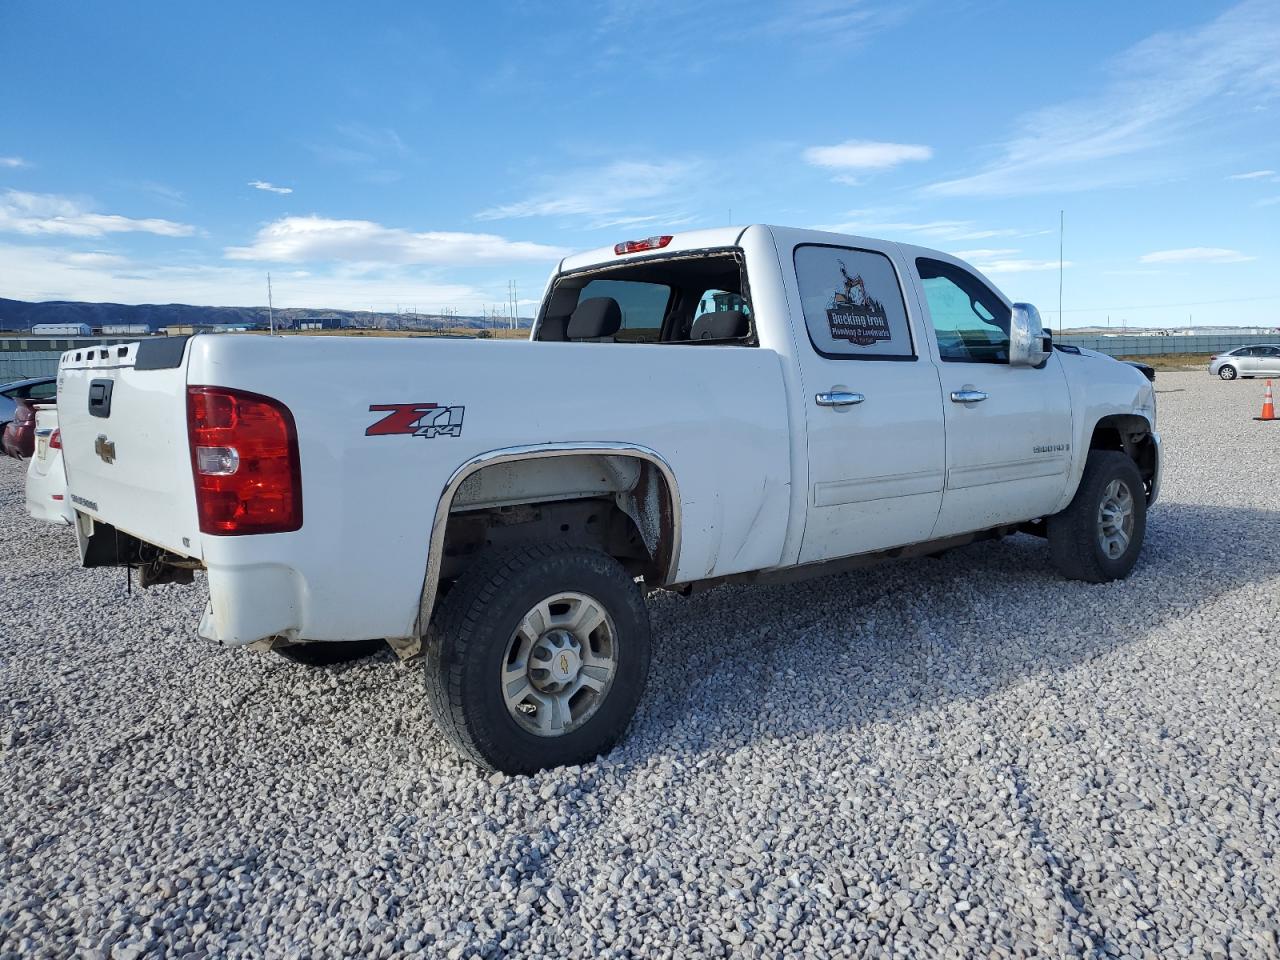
{"x": 690, "y": 298}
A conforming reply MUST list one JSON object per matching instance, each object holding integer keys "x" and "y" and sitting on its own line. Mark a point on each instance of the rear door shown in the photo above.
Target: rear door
{"x": 1008, "y": 428}
{"x": 123, "y": 415}
{"x": 873, "y": 410}
{"x": 1268, "y": 361}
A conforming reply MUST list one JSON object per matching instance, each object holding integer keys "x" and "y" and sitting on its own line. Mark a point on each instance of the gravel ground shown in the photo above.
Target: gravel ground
{"x": 956, "y": 757}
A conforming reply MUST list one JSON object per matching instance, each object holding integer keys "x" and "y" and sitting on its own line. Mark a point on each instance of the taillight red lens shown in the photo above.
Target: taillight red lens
{"x": 635, "y": 246}
{"x": 55, "y": 441}
{"x": 244, "y": 458}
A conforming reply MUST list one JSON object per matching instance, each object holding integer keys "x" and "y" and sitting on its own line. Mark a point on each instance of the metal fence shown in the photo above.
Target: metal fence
{"x": 1154, "y": 346}
{"x": 35, "y": 363}
{"x": 38, "y": 356}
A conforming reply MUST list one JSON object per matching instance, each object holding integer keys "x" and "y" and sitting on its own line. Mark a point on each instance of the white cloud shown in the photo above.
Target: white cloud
{"x": 1166, "y": 91}
{"x": 53, "y": 273}
{"x": 313, "y": 238}
{"x": 871, "y": 223}
{"x": 866, "y": 155}
{"x": 12, "y": 162}
{"x": 1253, "y": 175}
{"x": 1195, "y": 255}
{"x": 269, "y": 187}
{"x": 607, "y": 195}
{"x": 50, "y": 214}
{"x": 982, "y": 254}
{"x": 1020, "y": 266}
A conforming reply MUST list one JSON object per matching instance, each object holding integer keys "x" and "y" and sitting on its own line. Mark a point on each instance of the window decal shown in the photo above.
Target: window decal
{"x": 856, "y": 316}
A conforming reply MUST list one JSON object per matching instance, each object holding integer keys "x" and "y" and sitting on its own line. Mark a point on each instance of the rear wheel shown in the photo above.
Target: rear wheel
{"x": 538, "y": 657}
{"x": 1099, "y": 536}
{"x": 330, "y": 654}
{"x": 1227, "y": 372}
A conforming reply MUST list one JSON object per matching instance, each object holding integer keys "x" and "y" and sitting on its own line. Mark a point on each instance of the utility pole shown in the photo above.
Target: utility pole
{"x": 271, "y": 312}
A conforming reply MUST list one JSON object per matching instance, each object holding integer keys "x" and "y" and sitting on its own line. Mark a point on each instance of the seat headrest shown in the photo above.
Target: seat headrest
{"x": 553, "y": 328}
{"x": 597, "y": 317}
{"x": 721, "y": 325}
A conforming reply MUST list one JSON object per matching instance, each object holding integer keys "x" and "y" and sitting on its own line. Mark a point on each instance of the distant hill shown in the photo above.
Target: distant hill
{"x": 22, "y": 315}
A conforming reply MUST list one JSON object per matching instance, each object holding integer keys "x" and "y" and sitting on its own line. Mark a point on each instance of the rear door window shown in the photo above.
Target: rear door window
{"x": 852, "y": 304}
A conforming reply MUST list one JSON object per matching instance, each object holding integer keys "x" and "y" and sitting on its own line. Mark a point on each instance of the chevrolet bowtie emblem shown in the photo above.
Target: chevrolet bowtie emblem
{"x": 104, "y": 448}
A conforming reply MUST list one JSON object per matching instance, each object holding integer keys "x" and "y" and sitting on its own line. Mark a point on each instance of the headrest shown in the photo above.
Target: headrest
{"x": 597, "y": 317}
{"x": 553, "y": 328}
{"x": 721, "y": 325}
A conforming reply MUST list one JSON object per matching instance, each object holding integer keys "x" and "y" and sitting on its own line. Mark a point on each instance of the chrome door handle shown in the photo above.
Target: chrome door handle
{"x": 967, "y": 396}
{"x": 838, "y": 398}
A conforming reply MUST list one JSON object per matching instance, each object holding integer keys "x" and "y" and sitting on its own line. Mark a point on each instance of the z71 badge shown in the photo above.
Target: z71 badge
{"x": 416, "y": 419}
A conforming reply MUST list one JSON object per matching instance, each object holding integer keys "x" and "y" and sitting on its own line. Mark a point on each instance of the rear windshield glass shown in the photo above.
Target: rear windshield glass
{"x": 698, "y": 298}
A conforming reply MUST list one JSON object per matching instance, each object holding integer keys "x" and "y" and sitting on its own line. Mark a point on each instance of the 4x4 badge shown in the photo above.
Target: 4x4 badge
{"x": 416, "y": 419}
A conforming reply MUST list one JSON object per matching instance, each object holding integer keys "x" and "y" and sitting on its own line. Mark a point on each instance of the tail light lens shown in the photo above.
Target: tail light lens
{"x": 244, "y": 457}
{"x": 55, "y": 440}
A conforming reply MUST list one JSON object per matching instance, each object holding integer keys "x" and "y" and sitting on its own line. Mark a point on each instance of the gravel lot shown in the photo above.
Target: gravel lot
{"x": 956, "y": 757}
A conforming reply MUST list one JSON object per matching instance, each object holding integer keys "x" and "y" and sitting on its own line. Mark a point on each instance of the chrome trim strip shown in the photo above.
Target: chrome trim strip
{"x": 534, "y": 452}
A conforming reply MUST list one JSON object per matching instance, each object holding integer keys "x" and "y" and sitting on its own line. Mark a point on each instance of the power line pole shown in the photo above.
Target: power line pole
{"x": 271, "y": 312}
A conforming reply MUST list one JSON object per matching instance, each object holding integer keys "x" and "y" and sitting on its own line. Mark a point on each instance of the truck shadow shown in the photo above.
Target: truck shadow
{"x": 743, "y": 663}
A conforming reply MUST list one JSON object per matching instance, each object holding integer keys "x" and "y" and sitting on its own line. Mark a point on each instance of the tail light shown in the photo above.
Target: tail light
{"x": 244, "y": 457}
{"x": 55, "y": 440}
{"x": 635, "y": 246}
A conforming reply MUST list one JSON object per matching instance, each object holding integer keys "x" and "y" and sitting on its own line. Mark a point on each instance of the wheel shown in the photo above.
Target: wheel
{"x": 1099, "y": 536}
{"x": 1227, "y": 372}
{"x": 538, "y": 657}
{"x": 327, "y": 654}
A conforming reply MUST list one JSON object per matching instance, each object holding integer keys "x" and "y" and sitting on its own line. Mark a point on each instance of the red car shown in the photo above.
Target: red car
{"x": 19, "y": 438}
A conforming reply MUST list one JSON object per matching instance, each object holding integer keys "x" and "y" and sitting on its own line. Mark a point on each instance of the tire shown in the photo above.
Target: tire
{"x": 1083, "y": 542}
{"x": 330, "y": 653}
{"x": 1227, "y": 372}
{"x": 476, "y": 640}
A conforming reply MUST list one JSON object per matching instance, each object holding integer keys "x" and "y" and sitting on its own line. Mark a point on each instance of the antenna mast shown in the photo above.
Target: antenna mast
{"x": 1061, "y": 223}
{"x": 271, "y": 313}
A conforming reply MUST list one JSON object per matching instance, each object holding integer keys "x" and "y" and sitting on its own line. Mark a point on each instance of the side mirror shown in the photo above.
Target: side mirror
{"x": 1029, "y": 341}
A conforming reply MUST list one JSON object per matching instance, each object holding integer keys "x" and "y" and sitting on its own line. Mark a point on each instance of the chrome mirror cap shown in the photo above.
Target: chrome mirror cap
{"x": 1029, "y": 341}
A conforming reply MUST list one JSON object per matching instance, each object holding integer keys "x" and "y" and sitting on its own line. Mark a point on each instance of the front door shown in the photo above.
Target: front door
{"x": 873, "y": 410}
{"x": 1008, "y": 428}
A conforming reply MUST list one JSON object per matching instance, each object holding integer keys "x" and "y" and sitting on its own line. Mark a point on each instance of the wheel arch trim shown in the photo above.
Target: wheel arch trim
{"x": 435, "y": 553}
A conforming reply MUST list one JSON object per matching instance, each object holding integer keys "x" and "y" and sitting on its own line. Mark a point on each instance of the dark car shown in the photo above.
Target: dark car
{"x": 40, "y": 389}
{"x": 19, "y": 438}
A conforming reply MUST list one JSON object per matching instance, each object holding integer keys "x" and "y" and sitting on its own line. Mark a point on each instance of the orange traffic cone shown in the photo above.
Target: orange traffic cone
{"x": 1268, "y": 406}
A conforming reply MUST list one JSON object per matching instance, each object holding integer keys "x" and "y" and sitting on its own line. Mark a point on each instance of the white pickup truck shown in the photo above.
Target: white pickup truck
{"x": 735, "y": 404}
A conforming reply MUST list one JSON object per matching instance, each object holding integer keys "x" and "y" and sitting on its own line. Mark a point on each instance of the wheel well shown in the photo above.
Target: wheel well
{"x": 619, "y": 504}
{"x": 1129, "y": 434}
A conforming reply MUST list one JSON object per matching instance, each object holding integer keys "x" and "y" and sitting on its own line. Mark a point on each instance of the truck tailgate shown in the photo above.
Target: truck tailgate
{"x": 122, "y": 410}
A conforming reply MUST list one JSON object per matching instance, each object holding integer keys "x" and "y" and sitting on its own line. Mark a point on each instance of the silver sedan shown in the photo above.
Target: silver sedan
{"x": 1260, "y": 360}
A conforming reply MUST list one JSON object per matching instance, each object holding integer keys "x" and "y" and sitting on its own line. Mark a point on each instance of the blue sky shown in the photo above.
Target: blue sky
{"x": 382, "y": 154}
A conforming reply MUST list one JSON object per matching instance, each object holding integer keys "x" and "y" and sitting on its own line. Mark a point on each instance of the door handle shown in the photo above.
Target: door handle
{"x": 838, "y": 398}
{"x": 967, "y": 396}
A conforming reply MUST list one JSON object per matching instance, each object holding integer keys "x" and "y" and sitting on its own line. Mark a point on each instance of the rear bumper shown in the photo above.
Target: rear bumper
{"x": 47, "y": 496}
{"x": 252, "y": 603}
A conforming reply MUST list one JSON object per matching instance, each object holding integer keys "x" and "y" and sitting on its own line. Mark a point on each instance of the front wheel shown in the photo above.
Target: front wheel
{"x": 1099, "y": 536}
{"x": 538, "y": 657}
{"x": 1227, "y": 372}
